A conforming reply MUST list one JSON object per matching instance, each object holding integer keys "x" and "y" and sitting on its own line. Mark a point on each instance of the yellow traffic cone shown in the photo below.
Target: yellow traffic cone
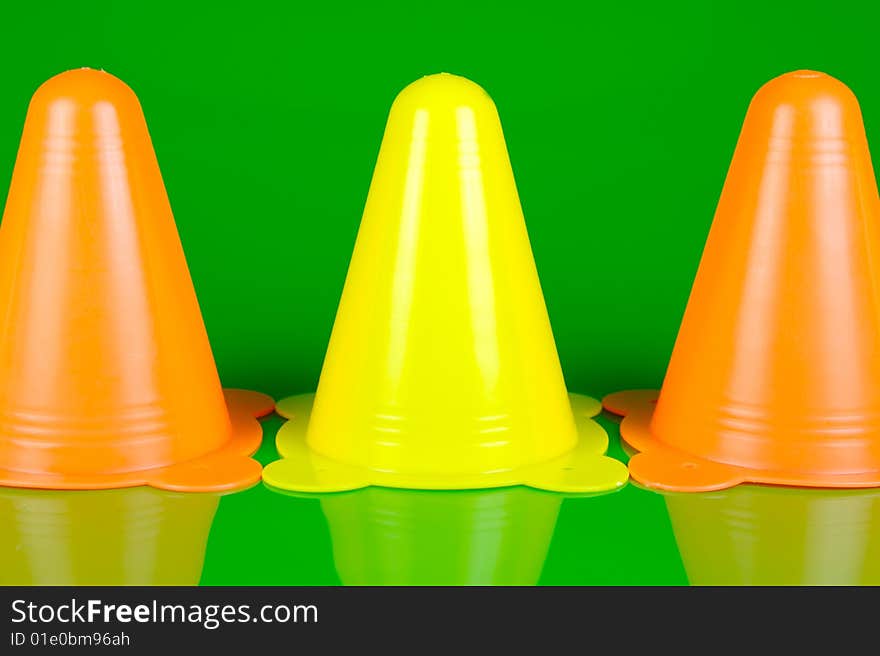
{"x": 442, "y": 372}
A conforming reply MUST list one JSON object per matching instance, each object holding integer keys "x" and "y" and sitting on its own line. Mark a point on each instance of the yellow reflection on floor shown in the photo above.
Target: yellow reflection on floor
{"x": 383, "y": 536}
{"x": 762, "y": 535}
{"x": 133, "y": 536}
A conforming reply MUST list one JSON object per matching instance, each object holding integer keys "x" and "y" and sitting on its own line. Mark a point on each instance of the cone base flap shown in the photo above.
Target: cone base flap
{"x": 662, "y": 467}
{"x": 583, "y": 470}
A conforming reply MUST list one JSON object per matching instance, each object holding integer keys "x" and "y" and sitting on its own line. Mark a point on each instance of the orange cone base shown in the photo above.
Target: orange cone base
{"x": 662, "y": 467}
{"x": 228, "y": 468}
{"x": 583, "y": 470}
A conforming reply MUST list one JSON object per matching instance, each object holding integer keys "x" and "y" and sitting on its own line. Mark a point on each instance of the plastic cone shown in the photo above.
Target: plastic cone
{"x": 756, "y": 535}
{"x": 441, "y": 370}
{"x": 106, "y": 375}
{"x": 405, "y": 537}
{"x": 135, "y": 536}
{"x": 775, "y": 375}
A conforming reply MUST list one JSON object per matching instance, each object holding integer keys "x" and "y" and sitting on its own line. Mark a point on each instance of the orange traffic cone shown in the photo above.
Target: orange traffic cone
{"x": 775, "y": 375}
{"x": 106, "y": 375}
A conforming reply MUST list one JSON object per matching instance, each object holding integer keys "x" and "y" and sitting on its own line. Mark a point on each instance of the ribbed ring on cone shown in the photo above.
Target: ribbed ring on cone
{"x": 227, "y": 467}
{"x": 584, "y": 469}
{"x": 661, "y": 465}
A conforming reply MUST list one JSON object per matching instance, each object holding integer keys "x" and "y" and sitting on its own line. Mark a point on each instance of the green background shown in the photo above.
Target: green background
{"x": 267, "y": 117}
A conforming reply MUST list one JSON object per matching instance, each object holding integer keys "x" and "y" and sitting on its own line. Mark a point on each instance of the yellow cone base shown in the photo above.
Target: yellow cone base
{"x": 663, "y": 467}
{"x": 585, "y": 469}
{"x": 228, "y": 468}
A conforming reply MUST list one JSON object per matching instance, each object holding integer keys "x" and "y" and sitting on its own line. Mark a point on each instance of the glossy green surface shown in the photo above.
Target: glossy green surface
{"x": 379, "y": 536}
{"x": 620, "y": 119}
{"x": 266, "y": 117}
{"x": 383, "y": 536}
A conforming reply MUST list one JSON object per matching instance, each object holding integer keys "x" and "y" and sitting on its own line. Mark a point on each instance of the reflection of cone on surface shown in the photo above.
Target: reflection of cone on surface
{"x": 106, "y": 375}
{"x": 404, "y": 537}
{"x": 442, "y": 371}
{"x": 136, "y": 536}
{"x": 757, "y": 535}
{"x": 774, "y": 375}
